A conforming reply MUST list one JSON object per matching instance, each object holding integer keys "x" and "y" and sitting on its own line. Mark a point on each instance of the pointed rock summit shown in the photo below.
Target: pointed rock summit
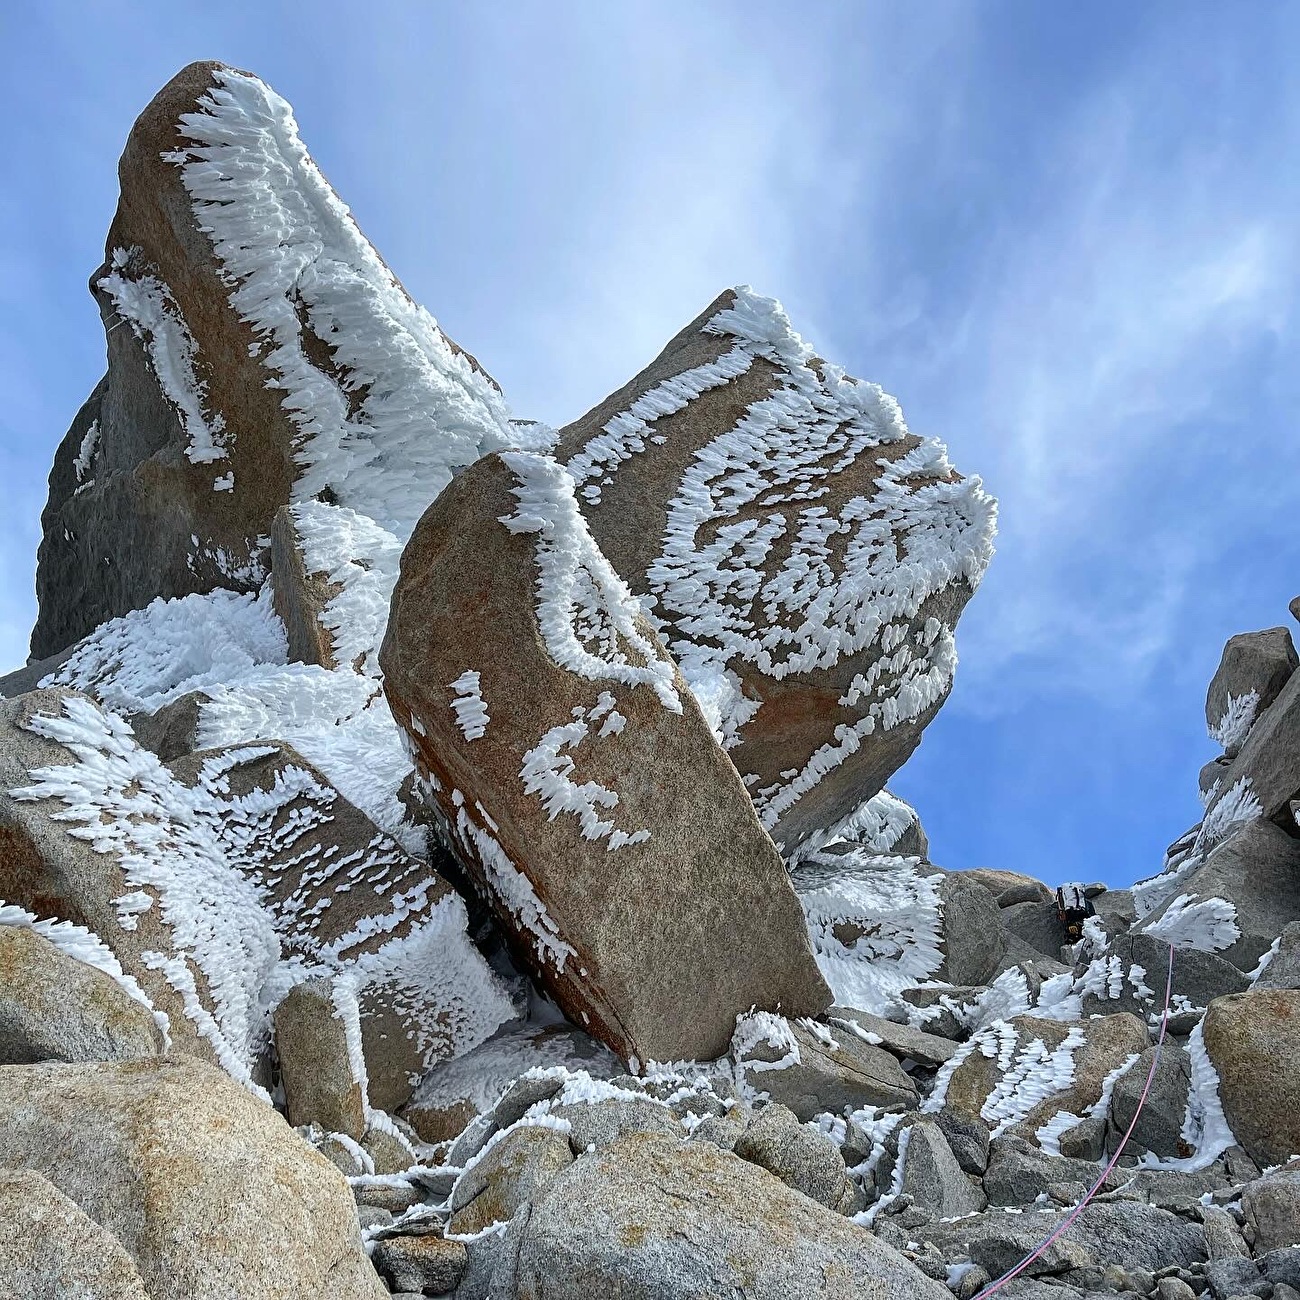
{"x": 259, "y": 353}
{"x": 804, "y": 555}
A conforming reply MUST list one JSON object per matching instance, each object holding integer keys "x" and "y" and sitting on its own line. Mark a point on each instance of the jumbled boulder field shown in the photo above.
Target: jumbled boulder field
{"x": 441, "y": 854}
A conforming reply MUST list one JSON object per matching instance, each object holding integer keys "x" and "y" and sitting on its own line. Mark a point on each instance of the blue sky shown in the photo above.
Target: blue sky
{"x": 1063, "y": 235}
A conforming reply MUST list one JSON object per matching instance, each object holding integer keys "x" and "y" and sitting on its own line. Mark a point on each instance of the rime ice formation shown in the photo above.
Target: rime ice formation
{"x": 874, "y": 922}
{"x": 596, "y": 780}
{"x": 259, "y": 353}
{"x": 220, "y": 879}
{"x": 804, "y": 556}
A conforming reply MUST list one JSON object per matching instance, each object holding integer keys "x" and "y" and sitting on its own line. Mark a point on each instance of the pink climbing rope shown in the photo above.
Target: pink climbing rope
{"x": 1114, "y": 1160}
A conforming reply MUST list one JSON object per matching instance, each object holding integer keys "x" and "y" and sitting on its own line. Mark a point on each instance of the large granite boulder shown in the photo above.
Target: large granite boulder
{"x": 1254, "y": 669}
{"x": 651, "y": 1218}
{"x": 1132, "y": 973}
{"x": 259, "y": 351}
{"x": 1253, "y": 1042}
{"x": 578, "y": 781}
{"x": 55, "y": 1007}
{"x": 1256, "y": 874}
{"x": 804, "y": 554}
{"x": 206, "y": 1188}
{"x": 219, "y": 880}
{"x": 1019, "y": 1075}
{"x": 51, "y": 1250}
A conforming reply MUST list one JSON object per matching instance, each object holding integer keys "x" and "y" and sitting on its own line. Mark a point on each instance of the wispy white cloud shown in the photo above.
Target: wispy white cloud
{"x": 1108, "y": 327}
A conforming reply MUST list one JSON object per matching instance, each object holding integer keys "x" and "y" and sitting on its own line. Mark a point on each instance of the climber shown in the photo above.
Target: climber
{"x": 1073, "y": 907}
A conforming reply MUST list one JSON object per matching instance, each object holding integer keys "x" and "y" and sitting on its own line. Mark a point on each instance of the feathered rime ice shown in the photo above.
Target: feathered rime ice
{"x": 260, "y": 353}
{"x": 809, "y": 562}
{"x": 402, "y": 407}
{"x": 261, "y": 876}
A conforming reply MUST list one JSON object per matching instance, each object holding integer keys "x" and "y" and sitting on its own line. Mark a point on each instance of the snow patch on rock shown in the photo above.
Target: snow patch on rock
{"x": 874, "y": 923}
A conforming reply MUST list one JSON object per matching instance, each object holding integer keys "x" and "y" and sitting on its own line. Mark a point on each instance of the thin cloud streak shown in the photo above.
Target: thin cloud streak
{"x": 1113, "y": 322}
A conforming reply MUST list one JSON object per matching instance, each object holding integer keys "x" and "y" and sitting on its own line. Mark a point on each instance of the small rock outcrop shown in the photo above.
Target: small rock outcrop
{"x": 1271, "y": 1206}
{"x": 800, "y": 1157}
{"x": 933, "y": 1178}
{"x": 317, "y": 1072}
{"x": 814, "y": 1070}
{"x": 453, "y": 1094}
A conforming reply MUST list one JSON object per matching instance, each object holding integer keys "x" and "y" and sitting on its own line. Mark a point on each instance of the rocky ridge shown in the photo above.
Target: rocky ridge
{"x": 443, "y": 856}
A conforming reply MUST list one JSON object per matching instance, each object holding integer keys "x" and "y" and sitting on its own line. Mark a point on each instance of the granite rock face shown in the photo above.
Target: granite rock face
{"x": 317, "y": 1073}
{"x": 801, "y": 1158}
{"x": 1140, "y": 971}
{"x": 1272, "y": 1209}
{"x": 804, "y": 554}
{"x": 973, "y": 938}
{"x": 1255, "y": 873}
{"x": 1159, "y": 1125}
{"x": 1254, "y": 669}
{"x": 206, "y": 1188}
{"x": 50, "y": 1247}
{"x": 932, "y": 1175}
{"x": 1264, "y": 776}
{"x": 259, "y": 352}
{"x": 54, "y": 1007}
{"x": 1283, "y": 968}
{"x": 577, "y": 779}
